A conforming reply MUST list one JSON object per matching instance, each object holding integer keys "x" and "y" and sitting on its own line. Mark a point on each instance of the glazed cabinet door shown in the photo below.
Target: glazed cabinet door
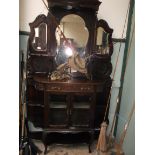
{"x": 58, "y": 110}
{"x": 81, "y": 111}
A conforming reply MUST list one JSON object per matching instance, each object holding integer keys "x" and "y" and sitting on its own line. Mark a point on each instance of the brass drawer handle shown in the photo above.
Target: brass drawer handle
{"x": 87, "y": 88}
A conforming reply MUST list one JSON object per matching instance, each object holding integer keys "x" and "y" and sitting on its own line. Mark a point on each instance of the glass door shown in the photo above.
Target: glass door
{"x": 80, "y": 115}
{"x": 58, "y": 110}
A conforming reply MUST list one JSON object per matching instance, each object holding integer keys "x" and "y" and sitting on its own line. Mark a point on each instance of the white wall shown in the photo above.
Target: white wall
{"x": 113, "y": 11}
{"x": 28, "y": 11}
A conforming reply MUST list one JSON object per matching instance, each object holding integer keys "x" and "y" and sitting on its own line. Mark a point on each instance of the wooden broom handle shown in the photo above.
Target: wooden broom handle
{"x": 113, "y": 122}
{"x": 23, "y": 120}
{"x": 126, "y": 125}
{"x": 24, "y": 103}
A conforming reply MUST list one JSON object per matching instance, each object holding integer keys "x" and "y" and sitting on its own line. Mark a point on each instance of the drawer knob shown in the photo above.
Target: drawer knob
{"x": 87, "y": 88}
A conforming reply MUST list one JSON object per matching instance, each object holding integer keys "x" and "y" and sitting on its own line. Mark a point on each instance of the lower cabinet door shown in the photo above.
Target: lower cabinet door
{"x": 58, "y": 115}
{"x": 80, "y": 118}
{"x": 80, "y": 113}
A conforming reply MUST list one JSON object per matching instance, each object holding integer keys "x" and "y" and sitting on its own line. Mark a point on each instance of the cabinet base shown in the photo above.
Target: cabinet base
{"x": 67, "y": 138}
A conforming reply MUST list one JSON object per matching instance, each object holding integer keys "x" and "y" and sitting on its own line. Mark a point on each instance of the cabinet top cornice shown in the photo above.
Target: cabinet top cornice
{"x": 92, "y": 4}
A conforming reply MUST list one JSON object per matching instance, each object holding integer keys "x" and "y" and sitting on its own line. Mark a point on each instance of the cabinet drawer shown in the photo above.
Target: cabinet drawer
{"x": 84, "y": 88}
{"x": 79, "y": 88}
{"x": 54, "y": 87}
{"x": 69, "y": 88}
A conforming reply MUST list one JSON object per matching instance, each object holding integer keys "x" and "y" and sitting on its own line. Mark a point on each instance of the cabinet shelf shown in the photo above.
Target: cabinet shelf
{"x": 35, "y": 102}
{"x": 81, "y": 105}
{"x": 36, "y": 105}
{"x": 58, "y": 105}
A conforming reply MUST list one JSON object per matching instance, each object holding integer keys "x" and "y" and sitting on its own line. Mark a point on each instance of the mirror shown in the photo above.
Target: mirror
{"x": 102, "y": 41}
{"x": 40, "y": 38}
{"x": 74, "y": 29}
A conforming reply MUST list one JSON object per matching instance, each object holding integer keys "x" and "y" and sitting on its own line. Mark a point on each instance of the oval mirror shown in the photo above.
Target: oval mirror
{"x": 74, "y": 29}
{"x": 40, "y": 38}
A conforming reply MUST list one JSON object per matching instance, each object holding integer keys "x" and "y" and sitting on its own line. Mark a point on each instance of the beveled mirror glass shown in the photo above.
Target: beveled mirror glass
{"x": 40, "y": 38}
{"x": 102, "y": 41}
{"x": 74, "y": 29}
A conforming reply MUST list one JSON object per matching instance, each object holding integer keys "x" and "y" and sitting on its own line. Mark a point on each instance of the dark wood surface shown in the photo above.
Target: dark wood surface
{"x": 93, "y": 4}
{"x": 70, "y": 88}
{"x": 80, "y": 104}
{"x": 45, "y": 79}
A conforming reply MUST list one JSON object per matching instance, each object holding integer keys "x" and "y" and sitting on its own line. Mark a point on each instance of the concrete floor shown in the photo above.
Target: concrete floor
{"x": 72, "y": 149}
{"x": 66, "y": 149}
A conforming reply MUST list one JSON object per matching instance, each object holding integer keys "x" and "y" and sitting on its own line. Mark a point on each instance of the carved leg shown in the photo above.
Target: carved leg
{"x": 89, "y": 148}
{"x": 45, "y": 151}
{"x": 91, "y": 135}
{"x": 44, "y": 137}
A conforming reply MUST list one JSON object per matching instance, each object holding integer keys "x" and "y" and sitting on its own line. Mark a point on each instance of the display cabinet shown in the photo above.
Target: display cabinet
{"x": 75, "y": 105}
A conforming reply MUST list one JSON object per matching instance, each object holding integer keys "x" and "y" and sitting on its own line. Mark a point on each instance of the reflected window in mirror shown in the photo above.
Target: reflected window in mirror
{"x": 74, "y": 29}
{"x": 40, "y": 38}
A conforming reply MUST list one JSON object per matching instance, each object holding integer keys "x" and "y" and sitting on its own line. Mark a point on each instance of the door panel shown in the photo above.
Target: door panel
{"x": 80, "y": 111}
{"x": 58, "y": 110}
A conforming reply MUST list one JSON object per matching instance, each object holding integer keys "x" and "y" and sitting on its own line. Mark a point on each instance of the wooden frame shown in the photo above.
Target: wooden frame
{"x": 39, "y": 20}
{"x": 102, "y": 23}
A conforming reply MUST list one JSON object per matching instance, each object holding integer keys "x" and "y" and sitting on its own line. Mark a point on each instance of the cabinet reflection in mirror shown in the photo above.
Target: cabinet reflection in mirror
{"x": 40, "y": 38}
{"x": 102, "y": 41}
{"x": 74, "y": 29}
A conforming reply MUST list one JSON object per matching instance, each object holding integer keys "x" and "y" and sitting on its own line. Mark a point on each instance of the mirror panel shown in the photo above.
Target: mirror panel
{"x": 104, "y": 45}
{"x": 40, "y": 38}
{"x": 74, "y": 29}
{"x": 102, "y": 41}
